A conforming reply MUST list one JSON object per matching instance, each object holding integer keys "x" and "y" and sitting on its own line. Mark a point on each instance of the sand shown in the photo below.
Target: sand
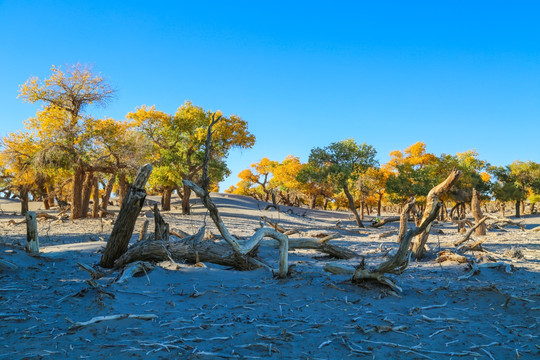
{"x": 192, "y": 312}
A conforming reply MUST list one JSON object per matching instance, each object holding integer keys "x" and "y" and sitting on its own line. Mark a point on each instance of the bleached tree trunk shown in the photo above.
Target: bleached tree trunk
{"x": 352, "y": 206}
{"x": 477, "y": 213}
{"x": 32, "y": 238}
{"x": 418, "y": 245}
{"x": 125, "y": 222}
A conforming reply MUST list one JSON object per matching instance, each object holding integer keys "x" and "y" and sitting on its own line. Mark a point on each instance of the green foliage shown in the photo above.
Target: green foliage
{"x": 343, "y": 161}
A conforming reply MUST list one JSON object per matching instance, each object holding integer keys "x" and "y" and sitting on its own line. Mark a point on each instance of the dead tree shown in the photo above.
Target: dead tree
{"x": 477, "y": 213}
{"x": 236, "y": 253}
{"x": 125, "y": 222}
{"x": 248, "y": 248}
{"x": 433, "y": 197}
{"x": 399, "y": 262}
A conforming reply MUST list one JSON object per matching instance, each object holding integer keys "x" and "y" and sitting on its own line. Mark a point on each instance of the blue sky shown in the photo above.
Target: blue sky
{"x": 457, "y": 75}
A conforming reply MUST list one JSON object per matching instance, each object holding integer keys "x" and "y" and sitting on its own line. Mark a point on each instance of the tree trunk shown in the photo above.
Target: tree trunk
{"x": 362, "y": 210}
{"x": 125, "y": 222}
{"x": 32, "y": 245}
{"x": 95, "y": 197}
{"x": 518, "y": 208}
{"x": 326, "y": 200}
{"x": 86, "y": 193}
{"x": 166, "y": 198}
{"x": 186, "y": 209}
{"x": 123, "y": 187}
{"x": 46, "y": 204}
{"x": 352, "y": 207}
{"x": 107, "y": 192}
{"x": 24, "y": 201}
{"x": 431, "y": 200}
{"x": 477, "y": 213}
{"x": 76, "y": 193}
{"x": 50, "y": 195}
{"x": 379, "y": 203}
{"x": 312, "y": 201}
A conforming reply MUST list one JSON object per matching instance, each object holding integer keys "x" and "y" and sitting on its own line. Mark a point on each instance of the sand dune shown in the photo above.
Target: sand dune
{"x": 214, "y": 312}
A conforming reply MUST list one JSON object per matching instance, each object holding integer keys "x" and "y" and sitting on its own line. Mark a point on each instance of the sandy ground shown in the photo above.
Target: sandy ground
{"x": 215, "y": 312}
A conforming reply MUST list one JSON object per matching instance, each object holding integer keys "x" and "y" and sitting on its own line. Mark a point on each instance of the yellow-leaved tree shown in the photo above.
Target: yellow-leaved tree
{"x": 62, "y": 125}
{"x": 178, "y": 146}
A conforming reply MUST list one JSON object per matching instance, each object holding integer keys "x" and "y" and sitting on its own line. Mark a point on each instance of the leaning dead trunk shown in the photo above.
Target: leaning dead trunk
{"x": 125, "y": 222}
{"x": 433, "y": 197}
{"x": 477, "y": 213}
{"x": 351, "y": 206}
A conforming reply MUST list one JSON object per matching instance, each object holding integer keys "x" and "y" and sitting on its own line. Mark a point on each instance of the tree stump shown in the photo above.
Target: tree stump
{"x": 125, "y": 222}
{"x": 32, "y": 245}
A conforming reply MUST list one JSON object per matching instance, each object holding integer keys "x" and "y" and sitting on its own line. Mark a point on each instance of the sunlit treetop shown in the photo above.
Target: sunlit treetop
{"x": 70, "y": 90}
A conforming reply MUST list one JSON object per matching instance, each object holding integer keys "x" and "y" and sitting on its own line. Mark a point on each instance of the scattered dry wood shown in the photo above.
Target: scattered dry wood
{"x": 469, "y": 233}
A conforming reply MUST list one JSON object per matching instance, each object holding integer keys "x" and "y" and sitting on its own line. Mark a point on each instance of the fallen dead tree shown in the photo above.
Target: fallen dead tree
{"x": 397, "y": 263}
{"x": 505, "y": 221}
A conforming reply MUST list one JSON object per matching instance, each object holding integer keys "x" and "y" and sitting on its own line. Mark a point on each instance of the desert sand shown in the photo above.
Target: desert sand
{"x": 181, "y": 311}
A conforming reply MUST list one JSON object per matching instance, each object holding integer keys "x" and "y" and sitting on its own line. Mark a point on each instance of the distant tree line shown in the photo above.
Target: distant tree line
{"x": 65, "y": 155}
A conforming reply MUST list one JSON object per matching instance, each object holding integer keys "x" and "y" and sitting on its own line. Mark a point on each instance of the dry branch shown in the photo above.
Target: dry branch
{"x": 322, "y": 245}
{"x": 97, "y": 319}
{"x": 386, "y": 221}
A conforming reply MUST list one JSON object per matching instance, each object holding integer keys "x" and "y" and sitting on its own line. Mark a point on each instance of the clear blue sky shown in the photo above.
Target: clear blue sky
{"x": 457, "y": 75}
